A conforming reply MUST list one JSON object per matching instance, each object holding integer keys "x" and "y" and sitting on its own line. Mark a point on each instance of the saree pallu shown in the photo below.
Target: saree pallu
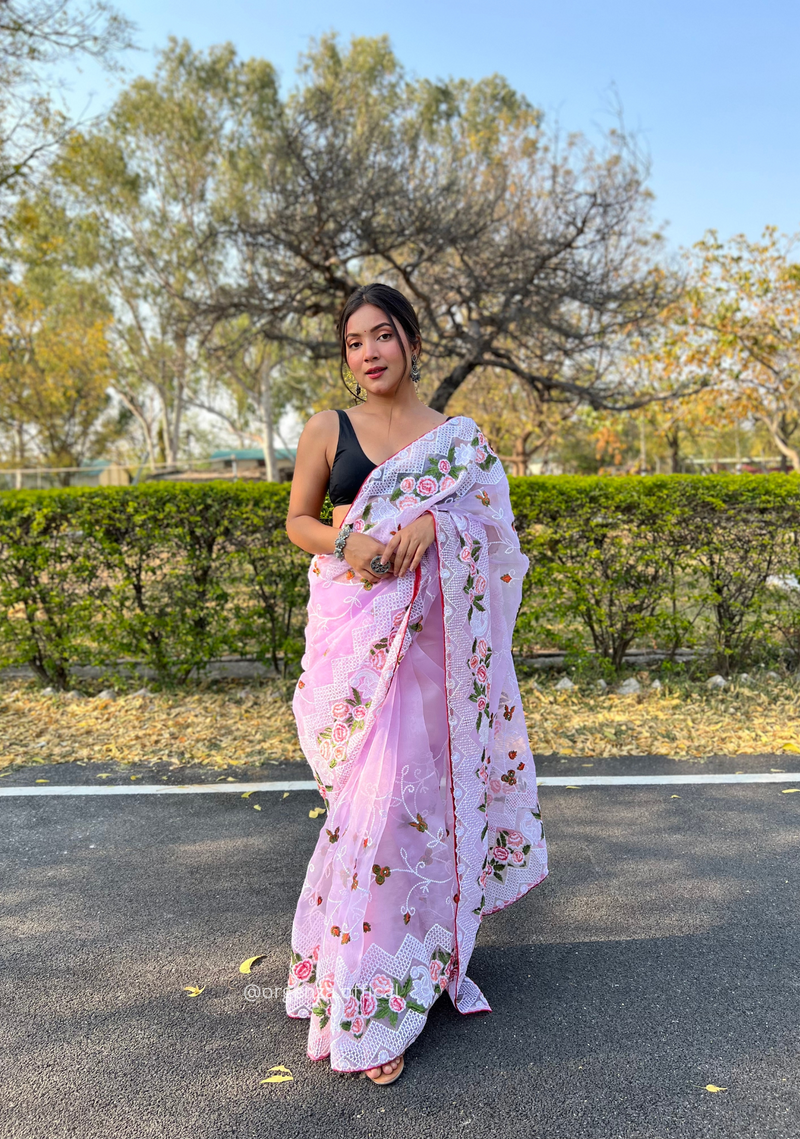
{"x": 409, "y": 713}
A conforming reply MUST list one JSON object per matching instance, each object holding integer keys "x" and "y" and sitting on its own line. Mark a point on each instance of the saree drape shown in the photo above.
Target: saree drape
{"x": 408, "y": 711}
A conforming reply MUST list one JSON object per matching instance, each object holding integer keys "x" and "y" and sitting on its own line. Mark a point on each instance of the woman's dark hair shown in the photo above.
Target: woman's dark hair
{"x": 398, "y": 309}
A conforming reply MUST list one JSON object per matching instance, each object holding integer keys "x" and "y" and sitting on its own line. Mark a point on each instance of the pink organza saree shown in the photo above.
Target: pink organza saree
{"x": 409, "y": 713}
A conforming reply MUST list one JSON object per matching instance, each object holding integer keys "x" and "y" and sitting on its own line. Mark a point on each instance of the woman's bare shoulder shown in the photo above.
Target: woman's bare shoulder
{"x": 321, "y": 427}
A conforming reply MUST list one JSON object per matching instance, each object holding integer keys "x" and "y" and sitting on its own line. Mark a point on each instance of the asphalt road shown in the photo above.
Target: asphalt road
{"x": 662, "y": 954}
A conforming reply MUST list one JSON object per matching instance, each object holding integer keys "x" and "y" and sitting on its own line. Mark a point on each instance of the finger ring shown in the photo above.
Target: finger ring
{"x": 377, "y": 566}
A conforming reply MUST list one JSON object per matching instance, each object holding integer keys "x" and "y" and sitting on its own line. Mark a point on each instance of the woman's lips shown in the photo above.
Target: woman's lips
{"x": 374, "y": 372}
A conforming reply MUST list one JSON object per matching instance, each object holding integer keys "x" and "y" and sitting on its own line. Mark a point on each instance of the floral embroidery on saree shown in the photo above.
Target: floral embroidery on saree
{"x": 408, "y": 711}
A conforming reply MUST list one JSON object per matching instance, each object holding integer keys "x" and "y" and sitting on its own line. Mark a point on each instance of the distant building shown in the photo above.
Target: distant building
{"x": 249, "y": 461}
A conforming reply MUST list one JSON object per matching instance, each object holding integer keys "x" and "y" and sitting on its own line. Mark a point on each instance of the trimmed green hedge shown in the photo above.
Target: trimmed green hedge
{"x": 176, "y": 575}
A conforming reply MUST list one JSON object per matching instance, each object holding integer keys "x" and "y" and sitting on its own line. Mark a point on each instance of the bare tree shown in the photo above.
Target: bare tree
{"x": 523, "y": 253}
{"x": 36, "y": 35}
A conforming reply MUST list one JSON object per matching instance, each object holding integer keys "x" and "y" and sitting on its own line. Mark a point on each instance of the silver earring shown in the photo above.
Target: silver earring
{"x": 358, "y": 391}
{"x": 414, "y": 368}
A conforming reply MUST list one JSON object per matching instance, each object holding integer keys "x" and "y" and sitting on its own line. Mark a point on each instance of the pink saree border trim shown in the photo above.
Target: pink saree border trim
{"x": 521, "y": 894}
{"x": 449, "y": 744}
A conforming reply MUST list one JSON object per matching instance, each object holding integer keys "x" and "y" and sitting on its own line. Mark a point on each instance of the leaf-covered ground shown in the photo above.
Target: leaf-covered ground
{"x": 224, "y": 725}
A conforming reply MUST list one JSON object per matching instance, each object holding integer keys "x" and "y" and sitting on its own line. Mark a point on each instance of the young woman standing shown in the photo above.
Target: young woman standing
{"x": 408, "y": 707}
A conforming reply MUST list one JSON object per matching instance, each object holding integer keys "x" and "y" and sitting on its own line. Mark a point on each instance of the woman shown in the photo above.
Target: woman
{"x": 408, "y": 708}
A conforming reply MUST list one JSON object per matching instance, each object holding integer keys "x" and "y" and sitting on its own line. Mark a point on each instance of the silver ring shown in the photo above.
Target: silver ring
{"x": 379, "y": 567}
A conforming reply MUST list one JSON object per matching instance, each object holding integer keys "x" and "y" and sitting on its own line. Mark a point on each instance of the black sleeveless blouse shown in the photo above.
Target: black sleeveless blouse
{"x": 350, "y": 465}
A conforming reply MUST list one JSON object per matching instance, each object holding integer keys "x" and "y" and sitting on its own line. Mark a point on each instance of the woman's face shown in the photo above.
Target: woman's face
{"x": 374, "y": 353}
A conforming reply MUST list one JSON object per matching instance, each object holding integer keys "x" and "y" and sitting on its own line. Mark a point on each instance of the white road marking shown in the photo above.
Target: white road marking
{"x": 310, "y": 785}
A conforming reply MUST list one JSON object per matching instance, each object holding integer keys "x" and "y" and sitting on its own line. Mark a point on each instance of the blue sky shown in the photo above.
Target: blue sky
{"x": 712, "y": 86}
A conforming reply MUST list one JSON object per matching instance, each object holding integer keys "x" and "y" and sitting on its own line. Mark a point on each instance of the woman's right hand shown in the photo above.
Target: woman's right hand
{"x": 359, "y": 550}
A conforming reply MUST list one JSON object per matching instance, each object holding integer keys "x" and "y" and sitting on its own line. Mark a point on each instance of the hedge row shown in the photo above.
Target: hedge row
{"x": 175, "y": 576}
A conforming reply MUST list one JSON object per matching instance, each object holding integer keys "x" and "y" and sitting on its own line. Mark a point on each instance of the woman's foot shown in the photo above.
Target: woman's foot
{"x": 386, "y": 1073}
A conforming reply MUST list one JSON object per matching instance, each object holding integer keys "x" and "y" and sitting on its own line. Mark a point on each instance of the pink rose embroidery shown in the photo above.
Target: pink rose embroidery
{"x": 481, "y": 702}
{"x": 357, "y": 1027}
{"x": 326, "y": 987}
{"x": 482, "y": 674}
{"x": 381, "y": 985}
{"x": 358, "y": 524}
{"x": 480, "y": 455}
{"x": 480, "y": 583}
{"x": 379, "y": 659}
{"x": 397, "y": 620}
{"x": 514, "y": 838}
{"x": 444, "y": 466}
{"x": 481, "y": 438}
{"x": 483, "y": 775}
{"x": 435, "y": 970}
{"x": 315, "y": 953}
{"x": 482, "y": 646}
{"x": 496, "y": 785}
{"x": 368, "y": 1004}
{"x": 350, "y": 1009}
{"x": 427, "y": 486}
{"x": 500, "y": 854}
{"x": 325, "y": 749}
{"x": 406, "y": 502}
{"x": 471, "y": 596}
{"x": 340, "y": 732}
{"x": 465, "y": 555}
{"x": 360, "y": 712}
{"x": 340, "y": 710}
{"x": 407, "y": 485}
{"x": 303, "y": 970}
{"x": 473, "y": 662}
{"x": 447, "y": 482}
{"x": 339, "y": 752}
{"x": 517, "y": 857}
{"x": 397, "y": 1003}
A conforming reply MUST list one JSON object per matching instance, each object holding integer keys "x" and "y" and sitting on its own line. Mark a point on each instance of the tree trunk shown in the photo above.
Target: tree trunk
{"x": 268, "y": 443}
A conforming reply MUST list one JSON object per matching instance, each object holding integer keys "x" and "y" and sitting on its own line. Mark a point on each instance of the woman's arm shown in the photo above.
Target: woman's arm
{"x": 309, "y": 484}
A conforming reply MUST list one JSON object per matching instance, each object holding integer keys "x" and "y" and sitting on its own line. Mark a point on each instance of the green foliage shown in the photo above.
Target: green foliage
{"x": 176, "y": 575}
{"x": 673, "y": 561}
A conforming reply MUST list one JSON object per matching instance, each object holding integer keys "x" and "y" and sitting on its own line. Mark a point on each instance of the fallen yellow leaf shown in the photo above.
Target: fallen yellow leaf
{"x": 710, "y": 1088}
{"x": 286, "y": 794}
{"x": 246, "y": 794}
{"x": 256, "y": 806}
{"x": 282, "y": 1075}
{"x": 786, "y": 790}
{"x": 42, "y": 780}
{"x": 315, "y": 812}
{"x": 193, "y": 990}
{"x": 674, "y": 796}
{"x": 247, "y": 965}
{"x": 572, "y": 787}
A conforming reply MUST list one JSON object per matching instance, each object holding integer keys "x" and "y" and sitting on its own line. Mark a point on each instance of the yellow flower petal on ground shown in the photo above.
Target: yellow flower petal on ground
{"x": 789, "y": 790}
{"x": 193, "y": 990}
{"x": 256, "y": 806}
{"x": 315, "y": 812}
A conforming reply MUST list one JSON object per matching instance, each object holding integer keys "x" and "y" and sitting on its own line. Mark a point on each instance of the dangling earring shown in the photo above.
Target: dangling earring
{"x": 414, "y": 368}
{"x": 358, "y": 391}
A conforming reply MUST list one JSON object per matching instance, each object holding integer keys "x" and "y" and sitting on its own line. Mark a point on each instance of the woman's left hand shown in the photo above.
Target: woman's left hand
{"x": 406, "y": 547}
